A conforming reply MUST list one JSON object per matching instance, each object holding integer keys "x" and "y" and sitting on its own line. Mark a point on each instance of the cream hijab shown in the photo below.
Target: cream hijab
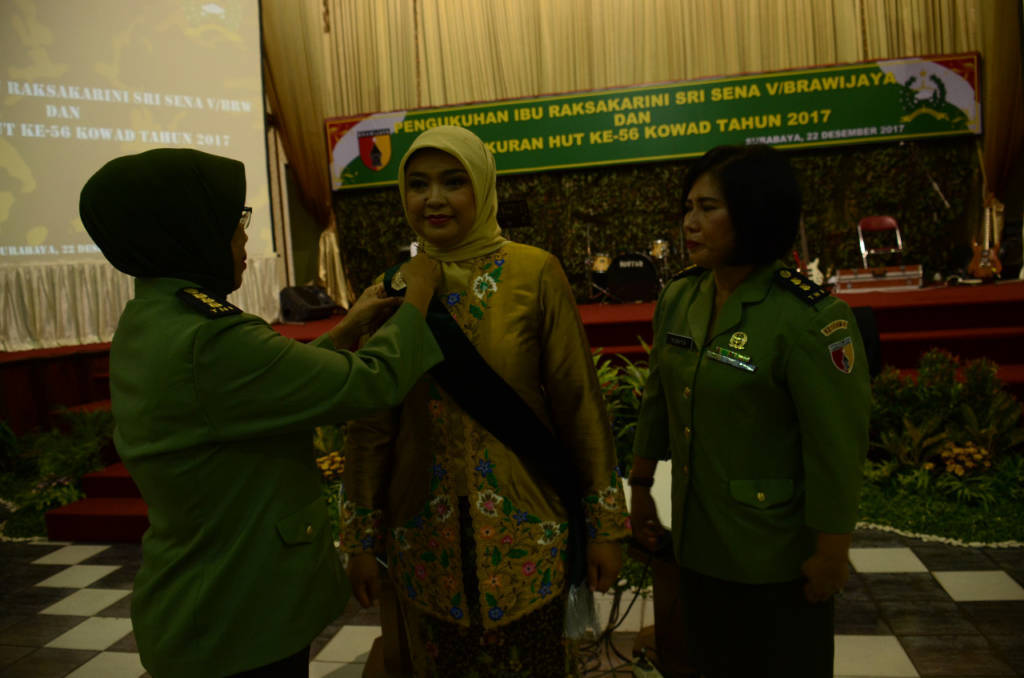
{"x": 485, "y": 235}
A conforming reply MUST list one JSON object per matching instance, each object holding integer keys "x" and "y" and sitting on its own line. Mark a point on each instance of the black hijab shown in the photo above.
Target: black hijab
{"x": 167, "y": 213}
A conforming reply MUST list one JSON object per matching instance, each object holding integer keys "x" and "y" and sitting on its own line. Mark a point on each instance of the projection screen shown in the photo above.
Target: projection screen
{"x": 86, "y": 81}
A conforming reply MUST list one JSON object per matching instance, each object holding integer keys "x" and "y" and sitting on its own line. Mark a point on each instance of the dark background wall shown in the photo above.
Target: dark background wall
{"x": 629, "y": 206}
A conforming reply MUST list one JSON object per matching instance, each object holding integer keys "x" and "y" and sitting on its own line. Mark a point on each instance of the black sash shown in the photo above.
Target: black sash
{"x": 465, "y": 375}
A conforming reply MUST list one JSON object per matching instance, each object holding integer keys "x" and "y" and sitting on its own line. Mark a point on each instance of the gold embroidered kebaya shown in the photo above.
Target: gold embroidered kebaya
{"x": 406, "y": 468}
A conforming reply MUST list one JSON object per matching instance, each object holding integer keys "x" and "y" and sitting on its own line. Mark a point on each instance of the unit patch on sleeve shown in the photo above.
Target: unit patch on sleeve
{"x": 205, "y": 303}
{"x": 842, "y": 354}
{"x": 834, "y": 327}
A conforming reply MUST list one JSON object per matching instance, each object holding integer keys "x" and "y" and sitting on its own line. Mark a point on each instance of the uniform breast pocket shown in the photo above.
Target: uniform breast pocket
{"x": 303, "y": 526}
{"x": 764, "y": 493}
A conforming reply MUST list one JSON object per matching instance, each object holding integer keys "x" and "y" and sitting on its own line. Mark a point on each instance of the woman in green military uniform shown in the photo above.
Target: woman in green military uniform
{"x": 760, "y": 396}
{"x": 214, "y": 413}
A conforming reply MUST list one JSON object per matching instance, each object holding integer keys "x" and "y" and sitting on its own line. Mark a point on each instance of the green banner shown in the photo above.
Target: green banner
{"x": 854, "y": 103}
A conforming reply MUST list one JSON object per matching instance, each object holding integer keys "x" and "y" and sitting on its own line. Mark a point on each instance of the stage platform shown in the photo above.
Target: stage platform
{"x": 970, "y": 321}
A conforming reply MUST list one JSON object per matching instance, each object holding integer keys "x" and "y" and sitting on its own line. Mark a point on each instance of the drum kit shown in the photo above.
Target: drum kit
{"x": 630, "y": 276}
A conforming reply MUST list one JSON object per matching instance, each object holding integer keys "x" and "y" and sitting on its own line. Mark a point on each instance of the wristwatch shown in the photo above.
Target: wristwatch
{"x": 637, "y": 481}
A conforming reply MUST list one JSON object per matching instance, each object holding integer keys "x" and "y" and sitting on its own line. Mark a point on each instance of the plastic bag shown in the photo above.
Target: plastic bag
{"x": 580, "y": 612}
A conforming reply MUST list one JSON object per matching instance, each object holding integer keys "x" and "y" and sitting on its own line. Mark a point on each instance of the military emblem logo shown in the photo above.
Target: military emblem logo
{"x": 738, "y": 340}
{"x": 842, "y": 355}
{"x": 936, "y": 94}
{"x": 926, "y": 94}
{"x": 375, "y": 148}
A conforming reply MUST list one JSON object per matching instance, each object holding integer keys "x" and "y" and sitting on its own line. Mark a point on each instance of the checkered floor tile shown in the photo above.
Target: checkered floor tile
{"x": 911, "y": 608}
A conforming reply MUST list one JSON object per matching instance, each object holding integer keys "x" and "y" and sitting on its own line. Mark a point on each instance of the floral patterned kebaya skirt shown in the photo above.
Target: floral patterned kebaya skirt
{"x": 532, "y": 646}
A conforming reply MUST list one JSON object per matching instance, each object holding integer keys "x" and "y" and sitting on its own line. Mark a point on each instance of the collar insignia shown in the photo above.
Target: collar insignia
{"x": 692, "y": 269}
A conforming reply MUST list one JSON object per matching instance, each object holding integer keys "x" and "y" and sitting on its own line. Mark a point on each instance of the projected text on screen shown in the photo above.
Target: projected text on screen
{"x": 88, "y": 81}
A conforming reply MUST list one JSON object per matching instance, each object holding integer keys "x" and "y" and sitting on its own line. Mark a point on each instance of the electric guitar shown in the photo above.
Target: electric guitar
{"x": 985, "y": 263}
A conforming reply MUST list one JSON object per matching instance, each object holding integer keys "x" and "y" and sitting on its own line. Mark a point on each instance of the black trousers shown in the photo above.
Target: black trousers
{"x": 295, "y": 666}
{"x": 738, "y": 630}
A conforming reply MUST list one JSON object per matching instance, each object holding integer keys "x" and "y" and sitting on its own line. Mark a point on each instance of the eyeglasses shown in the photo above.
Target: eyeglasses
{"x": 246, "y": 217}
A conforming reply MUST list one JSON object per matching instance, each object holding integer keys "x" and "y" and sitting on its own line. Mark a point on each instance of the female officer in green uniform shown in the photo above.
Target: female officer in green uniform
{"x": 214, "y": 414}
{"x": 759, "y": 394}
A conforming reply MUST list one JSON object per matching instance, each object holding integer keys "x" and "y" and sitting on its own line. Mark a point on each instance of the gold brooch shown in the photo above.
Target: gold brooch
{"x": 398, "y": 282}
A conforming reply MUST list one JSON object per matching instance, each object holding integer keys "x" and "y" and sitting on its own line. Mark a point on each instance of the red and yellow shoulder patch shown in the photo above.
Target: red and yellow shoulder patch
{"x": 842, "y": 355}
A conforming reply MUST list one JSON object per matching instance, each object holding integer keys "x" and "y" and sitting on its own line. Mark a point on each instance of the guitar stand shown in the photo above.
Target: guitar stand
{"x": 603, "y": 294}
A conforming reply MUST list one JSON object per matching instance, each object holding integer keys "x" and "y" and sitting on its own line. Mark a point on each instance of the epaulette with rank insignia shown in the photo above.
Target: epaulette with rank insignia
{"x": 692, "y": 269}
{"x": 800, "y": 285}
{"x": 207, "y": 304}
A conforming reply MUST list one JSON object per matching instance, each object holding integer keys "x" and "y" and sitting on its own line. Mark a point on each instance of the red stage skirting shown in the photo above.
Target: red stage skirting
{"x": 971, "y": 321}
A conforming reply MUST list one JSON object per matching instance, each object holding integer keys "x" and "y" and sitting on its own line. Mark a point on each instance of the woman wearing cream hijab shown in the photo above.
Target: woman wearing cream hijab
{"x": 475, "y": 543}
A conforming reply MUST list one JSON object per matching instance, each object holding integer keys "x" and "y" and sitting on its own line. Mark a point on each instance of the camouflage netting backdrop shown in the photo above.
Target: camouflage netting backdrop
{"x": 627, "y": 207}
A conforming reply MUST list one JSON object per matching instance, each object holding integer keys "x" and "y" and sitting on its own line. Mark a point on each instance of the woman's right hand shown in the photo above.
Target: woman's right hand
{"x": 643, "y": 517}
{"x": 364, "y": 575}
{"x": 364, "y": 317}
{"x": 422, "y": 276}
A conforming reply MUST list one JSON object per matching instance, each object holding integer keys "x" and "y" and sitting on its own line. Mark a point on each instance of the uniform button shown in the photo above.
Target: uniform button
{"x": 687, "y": 431}
{"x": 686, "y": 469}
{"x": 309, "y": 530}
{"x": 687, "y": 392}
{"x": 760, "y": 496}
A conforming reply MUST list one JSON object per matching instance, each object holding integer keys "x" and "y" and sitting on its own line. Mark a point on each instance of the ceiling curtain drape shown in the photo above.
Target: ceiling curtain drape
{"x": 382, "y": 55}
{"x": 1002, "y": 91}
{"x": 300, "y": 93}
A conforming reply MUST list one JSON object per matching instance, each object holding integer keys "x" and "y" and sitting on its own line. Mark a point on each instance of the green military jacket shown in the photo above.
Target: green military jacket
{"x": 765, "y": 419}
{"x": 214, "y": 419}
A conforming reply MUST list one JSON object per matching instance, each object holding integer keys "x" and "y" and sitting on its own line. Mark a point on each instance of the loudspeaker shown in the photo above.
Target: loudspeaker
{"x": 514, "y": 214}
{"x": 306, "y": 302}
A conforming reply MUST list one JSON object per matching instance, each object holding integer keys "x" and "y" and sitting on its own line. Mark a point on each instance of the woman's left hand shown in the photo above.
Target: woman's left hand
{"x": 604, "y": 560}
{"x": 826, "y": 576}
